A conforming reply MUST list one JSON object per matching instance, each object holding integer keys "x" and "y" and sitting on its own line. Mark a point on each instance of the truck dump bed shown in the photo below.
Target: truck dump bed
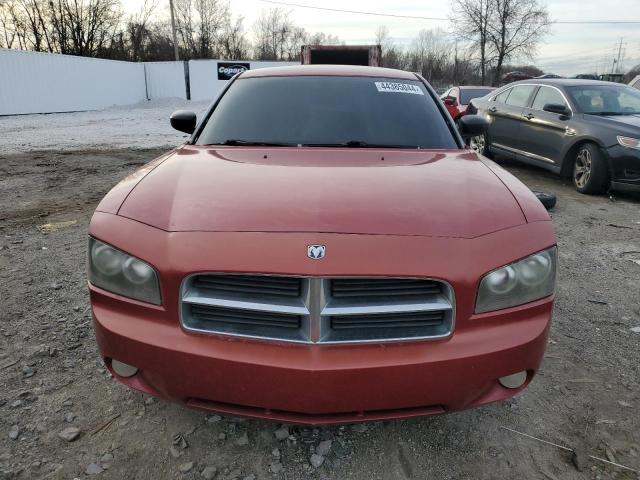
{"x": 341, "y": 55}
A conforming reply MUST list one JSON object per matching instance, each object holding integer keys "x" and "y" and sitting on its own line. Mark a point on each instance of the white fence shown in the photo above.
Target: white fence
{"x": 165, "y": 80}
{"x": 32, "y": 82}
{"x": 41, "y": 82}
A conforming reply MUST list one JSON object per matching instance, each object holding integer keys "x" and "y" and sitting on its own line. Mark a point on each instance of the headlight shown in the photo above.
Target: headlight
{"x": 120, "y": 273}
{"x": 629, "y": 142}
{"x": 521, "y": 282}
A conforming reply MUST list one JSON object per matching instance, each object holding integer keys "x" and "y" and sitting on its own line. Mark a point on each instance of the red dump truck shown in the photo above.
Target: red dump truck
{"x": 370, "y": 55}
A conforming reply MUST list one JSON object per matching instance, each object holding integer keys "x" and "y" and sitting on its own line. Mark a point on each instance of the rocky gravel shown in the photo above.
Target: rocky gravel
{"x": 63, "y": 417}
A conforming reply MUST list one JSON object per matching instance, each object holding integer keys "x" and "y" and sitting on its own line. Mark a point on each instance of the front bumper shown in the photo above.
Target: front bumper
{"x": 315, "y": 383}
{"x": 323, "y": 383}
{"x": 625, "y": 168}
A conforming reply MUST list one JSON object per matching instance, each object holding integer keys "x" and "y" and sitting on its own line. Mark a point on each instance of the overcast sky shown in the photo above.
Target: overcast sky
{"x": 567, "y": 50}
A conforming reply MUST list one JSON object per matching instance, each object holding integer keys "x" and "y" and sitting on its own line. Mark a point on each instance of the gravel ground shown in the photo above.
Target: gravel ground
{"x": 143, "y": 125}
{"x": 62, "y": 417}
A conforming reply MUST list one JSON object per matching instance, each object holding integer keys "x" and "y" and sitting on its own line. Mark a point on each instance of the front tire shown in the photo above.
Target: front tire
{"x": 480, "y": 144}
{"x": 590, "y": 172}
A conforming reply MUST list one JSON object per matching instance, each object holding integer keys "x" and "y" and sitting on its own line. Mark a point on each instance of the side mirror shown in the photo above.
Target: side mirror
{"x": 472, "y": 126}
{"x": 450, "y": 101}
{"x": 184, "y": 121}
{"x": 558, "y": 108}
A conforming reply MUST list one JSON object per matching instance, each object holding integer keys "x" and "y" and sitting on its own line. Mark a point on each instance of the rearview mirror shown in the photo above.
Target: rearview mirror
{"x": 472, "y": 125}
{"x": 556, "y": 108}
{"x": 450, "y": 101}
{"x": 184, "y": 121}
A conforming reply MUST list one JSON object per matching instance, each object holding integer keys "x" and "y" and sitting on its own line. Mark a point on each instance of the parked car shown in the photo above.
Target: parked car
{"x": 456, "y": 99}
{"x": 612, "y": 77}
{"x": 585, "y": 129}
{"x": 548, "y": 75}
{"x": 515, "y": 76}
{"x": 635, "y": 83}
{"x": 586, "y": 76}
{"x": 323, "y": 249}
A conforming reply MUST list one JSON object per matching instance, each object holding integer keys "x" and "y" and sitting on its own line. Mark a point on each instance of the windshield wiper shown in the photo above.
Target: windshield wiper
{"x": 350, "y": 144}
{"x": 360, "y": 144}
{"x": 232, "y": 142}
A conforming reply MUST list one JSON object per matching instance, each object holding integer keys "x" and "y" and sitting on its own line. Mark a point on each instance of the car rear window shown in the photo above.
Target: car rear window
{"x": 326, "y": 110}
{"x": 468, "y": 94}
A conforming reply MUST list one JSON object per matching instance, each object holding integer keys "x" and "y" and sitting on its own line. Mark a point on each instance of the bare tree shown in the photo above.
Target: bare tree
{"x": 392, "y": 56}
{"x": 137, "y": 30}
{"x": 7, "y": 35}
{"x": 472, "y": 22}
{"x": 464, "y": 69}
{"x": 23, "y": 23}
{"x": 515, "y": 29}
{"x": 233, "y": 42}
{"x": 7, "y": 24}
{"x": 272, "y": 32}
{"x": 321, "y": 38}
{"x": 160, "y": 46}
{"x": 298, "y": 37}
{"x": 83, "y": 27}
{"x": 428, "y": 53}
{"x": 277, "y": 37}
{"x": 200, "y": 24}
{"x": 31, "y": 26}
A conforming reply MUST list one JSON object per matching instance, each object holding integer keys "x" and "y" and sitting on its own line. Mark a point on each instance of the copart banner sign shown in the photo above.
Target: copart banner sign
{"x": 226, "y": 70}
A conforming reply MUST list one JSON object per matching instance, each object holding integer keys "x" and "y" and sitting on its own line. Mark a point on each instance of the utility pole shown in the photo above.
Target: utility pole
{"x": 173, "y": 29}
{"x": 616, "y": 62}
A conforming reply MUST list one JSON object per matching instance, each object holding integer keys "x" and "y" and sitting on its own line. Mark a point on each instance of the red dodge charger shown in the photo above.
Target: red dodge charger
{"x": 323, "y": 249}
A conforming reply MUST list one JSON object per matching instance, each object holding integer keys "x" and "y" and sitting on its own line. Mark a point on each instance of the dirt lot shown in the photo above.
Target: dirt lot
{"x": 586, "y": 396}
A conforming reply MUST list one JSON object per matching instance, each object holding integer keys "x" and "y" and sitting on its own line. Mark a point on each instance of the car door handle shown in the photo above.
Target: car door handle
{"x": 529, "y": 116}
{"x": 493, "y": 109}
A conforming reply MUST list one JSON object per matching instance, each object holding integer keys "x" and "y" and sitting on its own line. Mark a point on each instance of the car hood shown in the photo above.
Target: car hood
{"x": 355, "y": 191}
{"x": 618, "y": 120}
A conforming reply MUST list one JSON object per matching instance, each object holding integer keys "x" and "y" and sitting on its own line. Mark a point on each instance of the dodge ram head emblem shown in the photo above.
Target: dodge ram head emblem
{"x": 315, "y": 252}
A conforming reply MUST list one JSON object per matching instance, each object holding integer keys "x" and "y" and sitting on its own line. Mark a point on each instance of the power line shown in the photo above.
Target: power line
{"x": 339, "y": 10}
{"x": 420, "y": 17}
{"x": 574, "y": 55}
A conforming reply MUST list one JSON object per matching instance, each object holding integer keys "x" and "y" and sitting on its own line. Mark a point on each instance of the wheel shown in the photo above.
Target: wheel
{"x": 547, "y": 199}
{"x": 480, "y": 144}
{"x": 590, "y": 172}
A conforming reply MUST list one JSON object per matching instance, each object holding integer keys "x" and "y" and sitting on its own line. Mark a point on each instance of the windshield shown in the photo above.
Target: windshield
{"x": 327, "y": 111}
{"x": 606, "y": 99}
{"x": 468, "y": 94}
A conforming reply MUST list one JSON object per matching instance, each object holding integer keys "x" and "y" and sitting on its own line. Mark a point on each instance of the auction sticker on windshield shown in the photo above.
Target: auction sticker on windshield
{"x": 397, "y": 87}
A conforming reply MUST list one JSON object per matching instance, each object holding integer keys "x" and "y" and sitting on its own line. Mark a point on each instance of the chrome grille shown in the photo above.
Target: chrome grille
{"x": 317, "y": 310}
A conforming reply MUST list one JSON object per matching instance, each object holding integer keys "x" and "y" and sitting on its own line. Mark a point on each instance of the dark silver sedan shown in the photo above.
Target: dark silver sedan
{"x": 584, "y": 129}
